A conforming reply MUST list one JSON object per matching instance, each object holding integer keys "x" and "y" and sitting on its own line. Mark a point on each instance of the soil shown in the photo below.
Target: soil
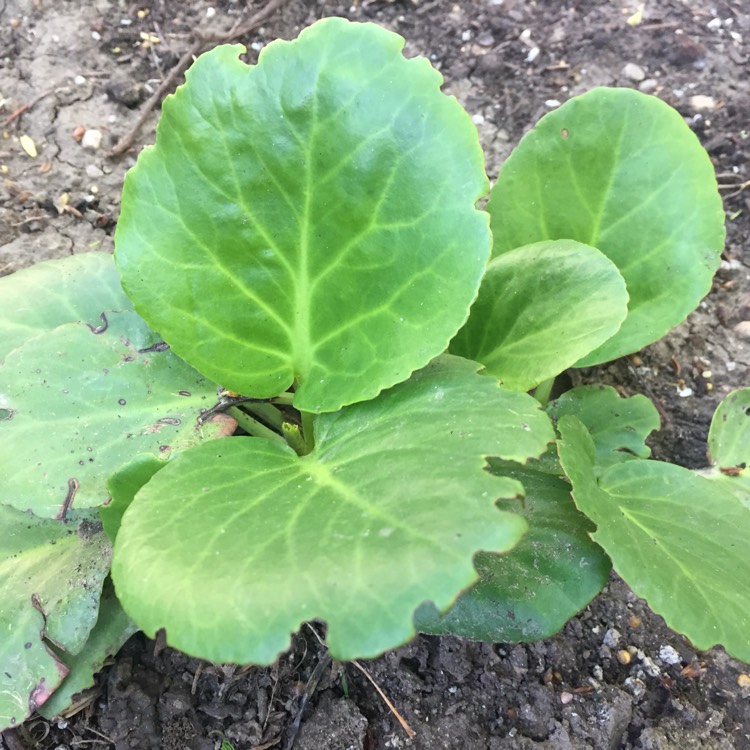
{"x": 85, "y": 69}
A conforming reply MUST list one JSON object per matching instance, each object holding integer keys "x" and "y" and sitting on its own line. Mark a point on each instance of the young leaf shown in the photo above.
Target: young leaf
{"x": 621, "y": 171}
{"x": 618, "y": 426}
{"x": 311, "y": 218}
{"x": 540, "y": 309}
{"x": 530, "y": 592}
{"x": 231, "y": 546}
{"x": 677, "y": 538}
{"x": 111, "y": 391}
{"x": 51, "y": 575}
{"x": 77, "y": 288}
{"x": 113, "y": 627}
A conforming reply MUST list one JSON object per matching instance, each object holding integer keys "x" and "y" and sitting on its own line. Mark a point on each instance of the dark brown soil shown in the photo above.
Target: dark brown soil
{"x": 83, "y": 66}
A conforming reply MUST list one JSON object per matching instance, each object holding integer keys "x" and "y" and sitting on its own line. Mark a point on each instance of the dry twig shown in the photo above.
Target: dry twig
{"x": 200, "y": 43}
{"x": 25, "y": 107}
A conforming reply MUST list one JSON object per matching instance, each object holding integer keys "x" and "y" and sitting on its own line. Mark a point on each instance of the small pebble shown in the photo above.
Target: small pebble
{"x": 92, "y": 139}
{"x": 651, "y": 669}
{"x": 566, "y": 698}
{"x": 742, "y": 329}
{"x": 634, "y": 622}
{"x": 210, "y": 12}
{"x": 552, "y": 103}
{"x": 743, "y": 680}
{"x": 633, "y": 72}
{"x": 611, "y": 637}
{"x": 624, "y": 656}
{"x": 635, "y": 686}
{"x": 648, "y": 86}
{"x": 701, "y": 103}
{"x": 669, "y": 655}
{"x": 93, "y": 171}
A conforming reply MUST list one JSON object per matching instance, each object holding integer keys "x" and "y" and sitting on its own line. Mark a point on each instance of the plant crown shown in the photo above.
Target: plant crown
{"x": 305, "y": 238}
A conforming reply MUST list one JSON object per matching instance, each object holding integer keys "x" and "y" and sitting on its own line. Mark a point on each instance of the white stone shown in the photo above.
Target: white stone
{"x": 633, "y": 72}
{"x": 702, "y": 103}
{"x": 669, "y": 655}
{"x": 92, "y": 139}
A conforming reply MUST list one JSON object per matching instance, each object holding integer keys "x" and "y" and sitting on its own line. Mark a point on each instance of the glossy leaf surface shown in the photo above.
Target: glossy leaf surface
{"x": 530, "y": 592}
{"x": 621, "y": 171}
{"x": 40, "y": 298}
{"x": 677, "y": 538}
{"x": 311, "y": 218}
{"x": 51, "y": 575}
{"x": 79, "y": 402}
{"x": 232, "y": 546}
{"x": 540, "y": 309}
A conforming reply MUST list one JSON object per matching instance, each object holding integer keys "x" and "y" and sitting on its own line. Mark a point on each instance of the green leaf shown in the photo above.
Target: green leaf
{"x": 618, "y": 426}
{"x": 677, "y": 538}
{"x": 113, "y": 627}
{"x": 51, "y": 575}
{"x": 729, "y": 436}
{"x": 123, "y": 486}
{"x": 231, "y": 546}
{"x": 38, "y": 299}
{"x": 530, "y": 592}
{"x": 621, "y": 171}
{"x": 540, "y": 309}
{"x": 77, "y": 403}
{"x": 729, "y": 444}
{"x": 311, "y": 218}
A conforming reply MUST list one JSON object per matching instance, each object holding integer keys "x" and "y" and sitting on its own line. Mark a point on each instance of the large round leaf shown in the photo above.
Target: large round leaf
{"x": 621, "y": 171}
{"x": 309, "y": 219}
{"x": 530, "y": 592}
{"x": 540, "y": 309}
{"x": 78, "y": 402}
{"x": 231, "y": 546}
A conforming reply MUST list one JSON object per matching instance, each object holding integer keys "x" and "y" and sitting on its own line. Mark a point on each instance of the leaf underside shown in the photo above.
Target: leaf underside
{"x": 309, "y": 219}
{"x": 232, "y": 546}
{"x": 620, "y": 171}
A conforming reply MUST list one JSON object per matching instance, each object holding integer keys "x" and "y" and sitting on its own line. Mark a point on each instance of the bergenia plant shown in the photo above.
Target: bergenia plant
{"x": 306, "y": 239}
